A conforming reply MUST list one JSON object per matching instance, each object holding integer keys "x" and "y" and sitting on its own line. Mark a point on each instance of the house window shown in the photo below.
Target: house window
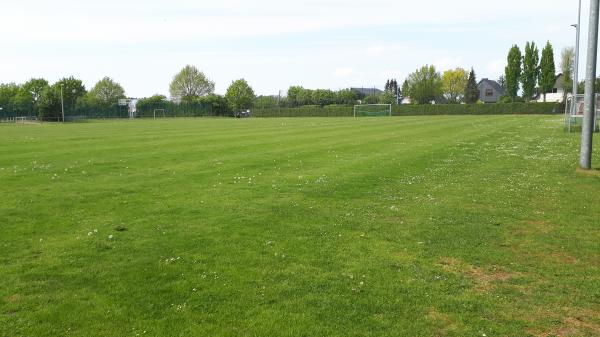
{"x": 489, "y": 92}
{"x": 554, "y": 90}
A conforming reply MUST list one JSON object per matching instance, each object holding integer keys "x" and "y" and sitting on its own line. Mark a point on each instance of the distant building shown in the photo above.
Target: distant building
{"x": 556, "y": 94}
{"x": 367, "y": 91}
{"x": 490, "y": 91}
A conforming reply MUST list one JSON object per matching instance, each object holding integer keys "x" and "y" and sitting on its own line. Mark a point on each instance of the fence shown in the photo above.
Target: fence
{"x": 170, "y": 109}
{"x": 416, "y": 110}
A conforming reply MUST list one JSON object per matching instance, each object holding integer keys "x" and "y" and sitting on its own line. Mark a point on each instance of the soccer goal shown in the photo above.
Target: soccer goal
{"x": 372, "y": 110}
{"x": 159, "y": 113}
{"x": 574, "y": 112}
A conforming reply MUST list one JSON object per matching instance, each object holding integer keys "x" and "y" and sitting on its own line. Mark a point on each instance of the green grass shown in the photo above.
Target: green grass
{"x": 411, "y": 226}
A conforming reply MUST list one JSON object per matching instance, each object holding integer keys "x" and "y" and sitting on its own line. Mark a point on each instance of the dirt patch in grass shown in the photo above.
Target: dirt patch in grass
{"x": 563, "y": 258}
{"x": 13, "y": 298}
{"x": 484, "y": 278}
{"x": 592, "y": 172}
{"x": 442, "y": 322}
{"x": 573, "y": 322}
{"x": 538, "y": 226}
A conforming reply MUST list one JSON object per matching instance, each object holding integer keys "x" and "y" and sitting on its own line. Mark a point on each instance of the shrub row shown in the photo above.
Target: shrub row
{"x": 415, "y": 110}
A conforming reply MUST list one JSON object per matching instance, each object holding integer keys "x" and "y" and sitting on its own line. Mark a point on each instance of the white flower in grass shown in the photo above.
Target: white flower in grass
{"x": 90, "y": 233}
{"x": 110, "y": 237}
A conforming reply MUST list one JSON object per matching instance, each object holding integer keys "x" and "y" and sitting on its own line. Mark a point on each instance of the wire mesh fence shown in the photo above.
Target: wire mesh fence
{"x": 171, "y": 109}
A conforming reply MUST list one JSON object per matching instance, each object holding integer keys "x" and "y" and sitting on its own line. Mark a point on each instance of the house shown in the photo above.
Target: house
{"x": 556, "y": 94}
{"x": 367, "y": 91}
{"x": 490, "y": 91}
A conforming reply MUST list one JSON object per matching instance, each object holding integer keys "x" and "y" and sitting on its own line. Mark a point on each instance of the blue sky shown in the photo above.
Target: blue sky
{"x": 272, "y": 44}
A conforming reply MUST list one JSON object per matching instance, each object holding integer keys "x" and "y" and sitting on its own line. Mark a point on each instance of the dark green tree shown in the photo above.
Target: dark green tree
{"x": 388, "y": 97}
{"x": 424, "y": 85}
{"x": 471, "y": 90}
{"x": 512, "y": 72}
{"x": 240, "y": 95}
{"x": 49, "y": 103}
{"x": 23, "y": 102}
{"x": 7, "y": 93}
{"x": 346, "y": 97}
{"x": 531, "y": 70}
{"x": 502, "y": 82}
{"x": 371, "y": 99}
{"x": 547, "y": 70}
{"x": 322, "y": 97}
{"x": 35, "y": 86}
{"x": 404, "y": 90}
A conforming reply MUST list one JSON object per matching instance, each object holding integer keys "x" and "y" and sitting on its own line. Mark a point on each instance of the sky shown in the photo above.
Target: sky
{"x": 273, "y": 44}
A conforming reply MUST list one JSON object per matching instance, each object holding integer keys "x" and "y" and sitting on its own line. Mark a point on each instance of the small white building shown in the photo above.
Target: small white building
{"x": 557, "y": 94}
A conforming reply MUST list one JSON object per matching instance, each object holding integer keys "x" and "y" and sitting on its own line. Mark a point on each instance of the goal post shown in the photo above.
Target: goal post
{"x": 574, "y": 112}
{"x": 159, "y": 113}
{"x": 372, "y": 110}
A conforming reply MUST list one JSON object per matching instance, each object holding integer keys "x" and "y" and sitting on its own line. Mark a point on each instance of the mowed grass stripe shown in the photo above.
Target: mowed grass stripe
{"x": 356, "y": 247}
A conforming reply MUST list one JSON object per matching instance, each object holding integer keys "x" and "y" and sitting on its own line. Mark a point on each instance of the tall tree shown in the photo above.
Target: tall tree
{"x": 35, "y": 86}
{"x": 405, "y": 89}
{"x": 190, "y": 83}
{"x": 322, "y": 97}
{"x": 7, "y": 93}
{"x": 471, "y": 90}
{"x": 567, "y": 61}
{"x": 454, "y": 83}
{"x": 547, "y": 70}
{"x": 106, "y": 91}
{"x": 512, "y": 72}
{"x": 531, "y": 70}
{"x": 240, "y": 95}
{"x": 388, "y": 97}
{"x": 72, "y": 89}
{"x": 391, "y": 86}
{"x": 347, "y": 97}
{"x": 424, "y": 85}
{"x": 49, "y": 103}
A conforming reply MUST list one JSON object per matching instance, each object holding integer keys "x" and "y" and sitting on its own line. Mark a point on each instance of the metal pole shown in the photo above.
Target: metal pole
{"x": 576, "y": 64}
{"x": 62, "y": 103}
{"x": 587, "y": 130}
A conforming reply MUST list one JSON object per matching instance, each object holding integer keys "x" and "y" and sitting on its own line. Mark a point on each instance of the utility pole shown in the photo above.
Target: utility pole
{"x": 576, "y": 64}
{"x": 587, "y": 129}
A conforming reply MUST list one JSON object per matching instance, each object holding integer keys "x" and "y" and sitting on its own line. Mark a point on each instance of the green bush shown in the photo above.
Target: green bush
{"x": 417, "y": 110}
{"x": 478, "y": 109}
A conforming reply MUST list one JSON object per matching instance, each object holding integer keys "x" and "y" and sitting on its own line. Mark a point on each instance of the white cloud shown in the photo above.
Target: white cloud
{"x": 375, "y": 50}
{"x": 272, "y": 43}
{"x": 446, "y": 63}
{"x": 496, "y": 67}
{"x": 343, "y": 72}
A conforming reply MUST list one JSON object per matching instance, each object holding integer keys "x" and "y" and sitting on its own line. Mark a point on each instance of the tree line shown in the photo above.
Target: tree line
{"x": 526, "y": 73}
{"x": 38, "y": 97}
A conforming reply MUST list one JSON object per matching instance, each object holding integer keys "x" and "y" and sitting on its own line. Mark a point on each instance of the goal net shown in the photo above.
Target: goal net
{"x": 574, "y": 112}
{"x": 372, "y": 110}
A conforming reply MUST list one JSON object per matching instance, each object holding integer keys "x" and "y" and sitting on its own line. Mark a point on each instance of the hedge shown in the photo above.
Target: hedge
{"x": 416, "y": 110}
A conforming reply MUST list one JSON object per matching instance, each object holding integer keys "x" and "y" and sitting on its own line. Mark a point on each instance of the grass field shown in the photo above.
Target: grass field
{"x": 412, "y": 226}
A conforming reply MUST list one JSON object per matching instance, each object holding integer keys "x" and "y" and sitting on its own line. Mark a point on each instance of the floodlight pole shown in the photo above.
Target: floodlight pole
{"x": 576, "y": 63}
{"x": 62, "y": 103}
{"x": 587, "y": 130}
